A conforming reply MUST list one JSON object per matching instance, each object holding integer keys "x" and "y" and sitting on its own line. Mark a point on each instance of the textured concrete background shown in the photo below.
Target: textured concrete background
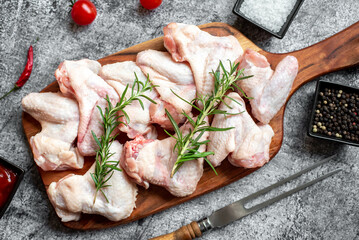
{"x": 328, "y": 210}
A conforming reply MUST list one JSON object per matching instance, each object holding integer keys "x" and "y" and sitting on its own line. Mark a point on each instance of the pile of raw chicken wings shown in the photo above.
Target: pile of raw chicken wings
{"x": 68, "y": 117}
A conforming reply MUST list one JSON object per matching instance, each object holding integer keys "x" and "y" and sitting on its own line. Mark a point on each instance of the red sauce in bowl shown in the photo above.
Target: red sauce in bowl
{"x": 7, "y": 182}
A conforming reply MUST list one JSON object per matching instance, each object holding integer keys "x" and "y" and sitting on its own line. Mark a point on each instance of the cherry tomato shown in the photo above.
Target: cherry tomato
{"x": 83, "y": 12}
{"x": 150, "y": 4}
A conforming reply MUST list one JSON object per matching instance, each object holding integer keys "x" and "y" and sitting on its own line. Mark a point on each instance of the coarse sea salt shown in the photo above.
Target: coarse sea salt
{"x": 271, "y": 14}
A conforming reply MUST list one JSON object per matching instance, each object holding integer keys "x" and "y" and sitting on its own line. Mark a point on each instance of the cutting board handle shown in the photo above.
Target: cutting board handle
{"x": 334, "y": 53}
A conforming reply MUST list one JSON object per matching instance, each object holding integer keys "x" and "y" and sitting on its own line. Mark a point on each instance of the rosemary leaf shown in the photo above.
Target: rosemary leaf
{"x": 194, "y": 106}
{"x": 104, "y": 168}
{"x": 187, "y": 146}
{"x": 210, "y": 164}
{"x": 190, "y": 120}
{"x": 174, "y": 124}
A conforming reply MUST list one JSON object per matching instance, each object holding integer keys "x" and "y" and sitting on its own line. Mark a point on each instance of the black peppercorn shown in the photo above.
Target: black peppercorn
{"x": 336, "y": 114}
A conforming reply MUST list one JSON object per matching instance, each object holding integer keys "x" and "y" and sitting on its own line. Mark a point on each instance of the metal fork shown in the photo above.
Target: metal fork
{"x": 237, "y": 209}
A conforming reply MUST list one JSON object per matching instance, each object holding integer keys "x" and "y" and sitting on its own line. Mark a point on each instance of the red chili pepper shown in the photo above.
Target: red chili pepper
{"x": 25, "y": 74}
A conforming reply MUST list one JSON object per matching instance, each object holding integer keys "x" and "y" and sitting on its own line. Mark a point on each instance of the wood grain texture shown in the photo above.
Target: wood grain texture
{"x": 337, "y": 52}
{"x": 187, "y": 232}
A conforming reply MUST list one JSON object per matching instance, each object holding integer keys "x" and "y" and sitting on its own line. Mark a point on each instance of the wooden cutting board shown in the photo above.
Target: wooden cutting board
{"x": 337, "y": 52}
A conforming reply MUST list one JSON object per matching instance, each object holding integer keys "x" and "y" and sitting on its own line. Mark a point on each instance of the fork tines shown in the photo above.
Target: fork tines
{"x": 286, "y": 194}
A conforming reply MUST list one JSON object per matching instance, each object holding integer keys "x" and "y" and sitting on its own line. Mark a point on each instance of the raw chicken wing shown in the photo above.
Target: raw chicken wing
{"x": 269, "y": 89}
{"x": 168, "y": 76}
{"x": 74, "y": 194}
{"x": 247, "y": 144}
{"x": 79, "y": 79}
{"x": 202, "y": 50}
{"x": 120, "y": 74}
{"x": 59, "y": 118}
{"x": 151, "y": 161}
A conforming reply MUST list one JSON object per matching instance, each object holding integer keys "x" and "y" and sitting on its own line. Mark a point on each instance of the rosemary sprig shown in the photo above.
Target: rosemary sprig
{"x": 187, "y": 145}
{"x": 110, "y": 120}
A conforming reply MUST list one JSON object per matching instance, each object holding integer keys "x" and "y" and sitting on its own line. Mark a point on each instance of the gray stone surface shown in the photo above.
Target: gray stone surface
{"x": 328, "y": 210}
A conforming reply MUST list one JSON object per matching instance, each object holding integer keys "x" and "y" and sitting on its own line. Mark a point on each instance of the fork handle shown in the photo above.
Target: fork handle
{"x": 188, "y": 232}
